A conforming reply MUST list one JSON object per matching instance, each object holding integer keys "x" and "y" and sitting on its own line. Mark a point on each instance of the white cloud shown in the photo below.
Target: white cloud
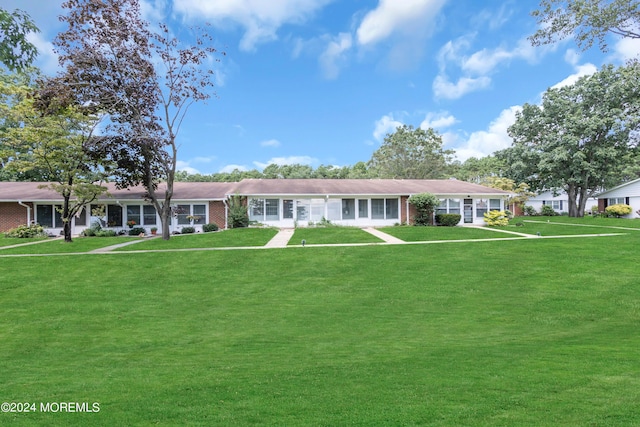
{"x": 184, "y": 166}
{"x": 581, "y": 71}
{"x": 627, "y": 48}
{"x": 571, "y": 56}
{"x": 334, "y": 55}
{"x": 443, "y": 88}
{"x": 260, "y": 19}
{"x": 485, "y": 142}
{"x": 438, "y": 120}
{"x": 387, "y": 124}
{"x": 486, "y": 60}
{"x": 270, "y": 143}
{"x": 291, "y": 160}
{"x": 393, "y": 16}
{"x": 231, "y": 168}
{"x": 47, "y": 58}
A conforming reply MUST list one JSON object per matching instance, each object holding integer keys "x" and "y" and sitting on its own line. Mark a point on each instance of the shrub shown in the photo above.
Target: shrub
{"x": 425, "y": 204}
{"x": 237, "y": 216}
{"x": 106, "y": 233}
{"x": 210, "y": 227}
{"x": 26, "y": 231}
{"x": 618, "y": 210}
{"x": 135, "y": 231}
{"x": 547, "y": 210}
{"x": 496, "y": 218}
{"x": 188, "y": 230}
{"x": 529, "y": 211}
{"x": 448, "y": 220}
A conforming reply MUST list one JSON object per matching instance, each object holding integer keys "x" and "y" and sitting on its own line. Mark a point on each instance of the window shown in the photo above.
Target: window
{"x": 114, "y": 215}
{"x": 302, "y": 209}
{"x": 494, "y": 204}
{"x": 454, "y": 206}
{"x": 334, "y": 209}
{"x": 363, "y": 208}
{"x": 348, "y": 209}
{"x": 287, "y": 209}
{"x": 149, "y": 215}
{"x": 183, "y": 211}
{"x": 377, "y": 208}
{"x": 81, "y": 216}
{"x": 481, "y": 208}
{"x": 199, "y": 213}
{"x": 271, "y": 209}
{"x": 317, "y": 209}
{"x": 256, "y": 209}
{"x": 44, "y": 215}
{"x": 616, "y": 201}
{"x": 133, "y": 214}
{"x": 392, "y": 208}
{"x": 442, "y": 207}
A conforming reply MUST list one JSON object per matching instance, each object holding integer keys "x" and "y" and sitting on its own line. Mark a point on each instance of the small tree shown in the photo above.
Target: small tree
{"x": 237, "y": 217}
{"x": 425, "y": 204}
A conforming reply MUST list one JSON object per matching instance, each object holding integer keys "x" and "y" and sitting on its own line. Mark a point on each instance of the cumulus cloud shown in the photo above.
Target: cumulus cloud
{"x": 485, "y": 142}
{"x": 259, "y": 19}
{"x": 335, "y": 54}
{"x": 47, "y": 58}
{"x": 387, "y": 124}
{"x": 291, "y": 160}
{"x": 581, "y": 71}
{"x": 231, "y": 168}
{"x": 184, "y": 166}
{"x": 443, "y": 88}
{"x": 438, "y": 120}
{"x": 627, "y": 48}
{"x": 270, "y": 143}
{"x": 393, "y": 16}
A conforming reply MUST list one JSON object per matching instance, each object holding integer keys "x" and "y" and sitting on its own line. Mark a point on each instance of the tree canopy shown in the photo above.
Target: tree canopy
{"x": 411, "y": 154}
{"x": 581, "y": 138}
{"x": 16, "y": 52}
{"x": 587, "y": 21}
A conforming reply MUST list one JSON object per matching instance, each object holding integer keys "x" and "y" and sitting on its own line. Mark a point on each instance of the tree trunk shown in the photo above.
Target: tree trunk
{"x": 582, "y": 202}
{"x": 571, "y": 196}
{"x": 66, "y": 218}
{"x": 165, "y": 220}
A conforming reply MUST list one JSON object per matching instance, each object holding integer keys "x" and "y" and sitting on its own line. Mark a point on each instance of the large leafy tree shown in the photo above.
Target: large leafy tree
{"x": 581, "y": 138}
{"x": 478, "y": 170}
{"x": 145, "y": 80}
{"x": 412, "y": 154}
{"x": 587, "y": 21}
{"x": 16, "y": 52}
{"x": 52, "y": 141}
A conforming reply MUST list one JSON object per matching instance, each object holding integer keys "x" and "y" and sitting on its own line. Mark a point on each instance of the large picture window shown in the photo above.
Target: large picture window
{"x": 48, "y": 216}
{"x": 481, "y": 207}
{"x": 191, "y": 214}
{"x": 363, "y": 208}
{"x": 149, "y": 215}
{"x": 391, "y": 208}
{"x": 133, "y": 214}
{"x": 377, "y": 208}
{"x": 384, "y": 208}
{"x": 348, "y": 209}
{"x": 494, "y": 204}
{"x": 264, "y": 209}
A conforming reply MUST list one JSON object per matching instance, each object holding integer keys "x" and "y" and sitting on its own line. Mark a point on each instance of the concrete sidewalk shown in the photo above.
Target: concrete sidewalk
{"x": 281, "y": 239}
{"x": 384, "y": 236}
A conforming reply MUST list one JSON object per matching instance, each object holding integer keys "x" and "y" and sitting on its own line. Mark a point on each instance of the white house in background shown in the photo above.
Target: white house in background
{"x": 628, "y": 194}
{"x": 558, "y": 201}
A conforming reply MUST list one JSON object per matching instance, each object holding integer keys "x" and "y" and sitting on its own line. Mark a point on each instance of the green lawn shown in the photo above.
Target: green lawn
{"x": 6, "y": 241}
{"x": 425, "y": 234}
{"x": 530, "y": 332}
{"x": 57, "y": 246}
{"x": 332, "y": 235}
{"x": 561, "y": 225}
{"x": 237, "y": 237}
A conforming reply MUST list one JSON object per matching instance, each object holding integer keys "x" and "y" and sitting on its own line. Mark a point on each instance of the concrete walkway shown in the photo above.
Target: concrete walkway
{"x": 119, "y": 245}
{"x": 384, "y": 236}
{"x": 281, "y": 239}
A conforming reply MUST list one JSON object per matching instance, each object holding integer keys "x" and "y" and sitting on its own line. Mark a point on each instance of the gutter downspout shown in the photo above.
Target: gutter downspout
{"x": 407, "y": 203}
{"x": 226, "y": 214}
{"x": 28, "y": 211}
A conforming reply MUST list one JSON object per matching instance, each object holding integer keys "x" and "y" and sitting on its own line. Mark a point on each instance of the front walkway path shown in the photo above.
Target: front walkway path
{"x": 119, "y": 245}
{"x": 384, "y": 236}
{"x": 281, "y": 239}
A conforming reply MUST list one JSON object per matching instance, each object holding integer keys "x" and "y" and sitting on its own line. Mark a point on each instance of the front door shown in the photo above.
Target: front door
{"x": 468, "y": 211}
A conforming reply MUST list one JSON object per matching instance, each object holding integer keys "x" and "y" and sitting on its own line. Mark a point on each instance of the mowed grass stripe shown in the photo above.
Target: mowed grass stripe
{"x": 523, "y": 332}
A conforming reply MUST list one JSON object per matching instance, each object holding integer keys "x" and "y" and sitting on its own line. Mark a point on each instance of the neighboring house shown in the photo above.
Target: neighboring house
{"x": 628, "y": 194}
{"x": 275, "y": 202}
{"x": 558, "y": 201}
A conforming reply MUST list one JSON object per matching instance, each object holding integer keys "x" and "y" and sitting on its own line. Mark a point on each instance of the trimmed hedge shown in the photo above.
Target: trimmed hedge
{"x": 210, "y": 227}
{"x": 448, "y": 220}
{"x": 136, "y": 231}
{"x": 188, "y": 230}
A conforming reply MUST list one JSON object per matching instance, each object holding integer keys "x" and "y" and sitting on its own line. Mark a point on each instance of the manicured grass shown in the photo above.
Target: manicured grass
{"x": 238, "y": 237}
{"x": 58, "y": 246}
{"x": 548, "y": 226}
{"x": 425, "y": 234}
{"x": 587, "y": 221}
{"x": 6, "y": 241}
{"x": 332, "y": 235}
{"x": 511, "y": 333}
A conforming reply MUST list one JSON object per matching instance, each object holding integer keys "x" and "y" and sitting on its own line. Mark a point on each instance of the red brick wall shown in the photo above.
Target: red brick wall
{"x": 217, "y": 213}
{"x": 13, "y": 215}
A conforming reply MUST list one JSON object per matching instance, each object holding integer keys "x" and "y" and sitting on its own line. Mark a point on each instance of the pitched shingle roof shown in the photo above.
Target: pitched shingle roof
{"x": 391, "y": 187}
{"x": 32, "y": 191}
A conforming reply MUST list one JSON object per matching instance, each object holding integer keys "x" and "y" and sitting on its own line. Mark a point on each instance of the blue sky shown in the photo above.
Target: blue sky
{"x": 323, "y": 81}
